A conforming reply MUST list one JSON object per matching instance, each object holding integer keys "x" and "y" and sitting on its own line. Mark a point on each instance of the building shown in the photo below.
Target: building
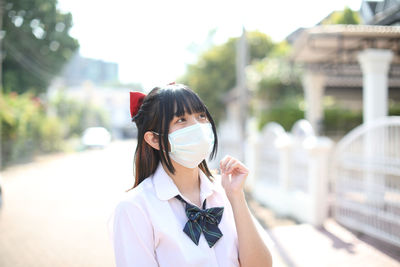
{"x": 332, "y": 52}
{"x": 80, "y": 69}
{"x": 94, "y": 82}
{"x": 381, "y": 12}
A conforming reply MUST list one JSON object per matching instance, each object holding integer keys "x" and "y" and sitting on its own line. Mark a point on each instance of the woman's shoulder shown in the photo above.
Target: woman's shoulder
{"x": 137, "y": 196}
{"x": 131, "y": 205}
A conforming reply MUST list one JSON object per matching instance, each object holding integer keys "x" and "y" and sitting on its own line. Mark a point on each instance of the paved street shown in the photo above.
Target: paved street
{"x": 303, "y": 245}
{"x": 56, "y": 208}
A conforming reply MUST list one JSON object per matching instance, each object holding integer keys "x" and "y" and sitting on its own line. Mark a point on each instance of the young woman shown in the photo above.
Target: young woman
{"x": 178, "y": 214}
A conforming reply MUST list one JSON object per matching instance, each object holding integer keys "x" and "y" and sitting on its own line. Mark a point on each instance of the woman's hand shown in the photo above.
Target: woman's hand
{"x": 252, "y": 248}
{"x": 234, "y": 174}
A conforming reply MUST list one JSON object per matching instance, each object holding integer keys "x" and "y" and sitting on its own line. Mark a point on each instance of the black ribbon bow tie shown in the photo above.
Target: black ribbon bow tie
{"x": 202, "y": 220}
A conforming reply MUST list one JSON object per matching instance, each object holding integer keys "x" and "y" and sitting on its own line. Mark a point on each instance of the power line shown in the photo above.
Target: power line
{"x": 28, "y": 64}
{"x": 33, "y": 53}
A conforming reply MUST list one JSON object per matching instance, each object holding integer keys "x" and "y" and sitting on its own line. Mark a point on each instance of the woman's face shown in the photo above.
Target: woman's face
{"x": 187, "y": 120}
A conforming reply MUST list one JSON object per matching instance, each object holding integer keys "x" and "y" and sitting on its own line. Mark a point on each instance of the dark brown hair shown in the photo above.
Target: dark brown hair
{"x": 155, "y": 114}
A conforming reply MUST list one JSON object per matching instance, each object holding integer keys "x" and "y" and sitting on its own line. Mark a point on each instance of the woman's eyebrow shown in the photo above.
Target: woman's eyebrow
{"x": 177, "y": 115}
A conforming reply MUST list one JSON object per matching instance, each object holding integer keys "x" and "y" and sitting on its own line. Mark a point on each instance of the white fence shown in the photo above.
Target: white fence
{"x": 291, "y": 171}
{"x": 367, "y": 179}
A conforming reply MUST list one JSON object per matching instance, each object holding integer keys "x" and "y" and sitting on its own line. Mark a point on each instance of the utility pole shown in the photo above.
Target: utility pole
{"x": 233, "y": 129}
{"x": 241, "y": 87}
{"x": 2, "y": 34}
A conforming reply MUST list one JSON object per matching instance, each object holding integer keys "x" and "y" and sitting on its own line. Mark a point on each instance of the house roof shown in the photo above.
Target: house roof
{"x": 336, "y": 44}
{"x": 372, "y": 6}
{"x": 333, "y": 50}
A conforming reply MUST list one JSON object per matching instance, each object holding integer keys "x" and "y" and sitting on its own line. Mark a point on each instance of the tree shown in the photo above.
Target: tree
{"x": 36, "y": 44}
{"x": 274, "y": 78}
{"x": 276, "y": 84}
{"x": 347, "y": 16}
{"x": 214, "y": 74}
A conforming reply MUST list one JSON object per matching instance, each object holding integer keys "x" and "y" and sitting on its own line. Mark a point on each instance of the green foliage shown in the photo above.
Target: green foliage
{"x": 51, "y": 134}
{"x": 347, "y": 16}
{"x": 36, "y": 44}
{"x": 394, "y": 108}
{"x": 285, "y": 112}
{"x": 274, "y": 77}
{"x": 277, "y": 88}
{"x": 30, "y": 127}
{"x": 77, "y": 116}
{"x": 339, "y": 120}
{"x": 20, "y": 115}
{"x": 214, "y": 74}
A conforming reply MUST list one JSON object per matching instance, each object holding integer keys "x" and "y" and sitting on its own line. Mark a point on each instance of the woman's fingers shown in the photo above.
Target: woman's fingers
{"x": 234, "y": 174}
{"x": 228, "y": 164}
{"x": 224, "y": 162}
{"x": 233, "y": 166}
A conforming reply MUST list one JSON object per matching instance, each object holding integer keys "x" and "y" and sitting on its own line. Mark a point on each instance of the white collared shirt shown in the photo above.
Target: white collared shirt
{"x": 147, "y": 226}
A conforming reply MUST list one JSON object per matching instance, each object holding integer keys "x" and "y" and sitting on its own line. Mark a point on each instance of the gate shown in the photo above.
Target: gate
{"x": 366, "y": 170}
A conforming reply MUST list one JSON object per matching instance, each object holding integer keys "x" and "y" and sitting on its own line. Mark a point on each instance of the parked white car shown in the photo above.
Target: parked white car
{"x": 96, "y": 137}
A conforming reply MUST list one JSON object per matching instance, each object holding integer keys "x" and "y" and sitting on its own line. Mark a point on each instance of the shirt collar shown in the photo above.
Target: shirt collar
{"x": 166, "y": 189}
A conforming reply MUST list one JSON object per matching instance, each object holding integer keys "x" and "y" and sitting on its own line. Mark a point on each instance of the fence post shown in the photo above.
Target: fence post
{"x": 284, "y": 145}
{"x": 319, "y": 149}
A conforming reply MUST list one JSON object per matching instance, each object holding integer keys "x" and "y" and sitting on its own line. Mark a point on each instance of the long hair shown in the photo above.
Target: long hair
{"x": 155, "y": 114}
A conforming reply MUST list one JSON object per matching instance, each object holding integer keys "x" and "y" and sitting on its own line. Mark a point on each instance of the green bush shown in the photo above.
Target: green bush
{"x": 51, "y": 134}
{"x": 394, "y": 108}
{"x": 29, "y": 126}
{"x": 337, "y": 120}
{"x": 76, "y": 116}
{"x": 20, "y": 134}
{"x": 285, "y": 112}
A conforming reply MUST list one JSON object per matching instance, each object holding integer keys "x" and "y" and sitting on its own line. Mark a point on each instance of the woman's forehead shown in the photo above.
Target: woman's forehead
{"x": 187, "y": 108}
{"x": 187, "y": 113}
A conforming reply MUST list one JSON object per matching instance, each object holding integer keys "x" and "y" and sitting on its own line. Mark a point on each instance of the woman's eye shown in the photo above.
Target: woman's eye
{"x": 181, "y": 120}
{"x": 203, "y": 116}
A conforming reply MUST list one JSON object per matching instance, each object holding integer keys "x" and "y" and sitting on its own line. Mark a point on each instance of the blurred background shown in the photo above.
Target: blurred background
{"x": 306, "y": 93}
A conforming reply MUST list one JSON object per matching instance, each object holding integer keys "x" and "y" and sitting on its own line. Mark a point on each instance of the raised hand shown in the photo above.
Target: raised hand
{"x": 233, "y": 174}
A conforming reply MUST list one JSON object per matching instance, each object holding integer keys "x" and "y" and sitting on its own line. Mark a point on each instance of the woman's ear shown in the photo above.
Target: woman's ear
{"x": 152, "y": 139}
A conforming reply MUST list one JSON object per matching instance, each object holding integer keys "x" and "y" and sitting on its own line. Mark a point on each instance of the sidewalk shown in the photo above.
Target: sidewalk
{"x": 302, "y": 245}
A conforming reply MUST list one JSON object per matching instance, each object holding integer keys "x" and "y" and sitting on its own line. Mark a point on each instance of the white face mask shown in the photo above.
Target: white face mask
{"x": 192, "y": 144}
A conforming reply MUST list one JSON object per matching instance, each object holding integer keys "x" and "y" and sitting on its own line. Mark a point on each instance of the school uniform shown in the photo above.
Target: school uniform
{"x": 147, "y": 226}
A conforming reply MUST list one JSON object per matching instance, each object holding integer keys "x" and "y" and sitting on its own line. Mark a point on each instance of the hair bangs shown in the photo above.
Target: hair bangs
{"x": 186, "y": 101}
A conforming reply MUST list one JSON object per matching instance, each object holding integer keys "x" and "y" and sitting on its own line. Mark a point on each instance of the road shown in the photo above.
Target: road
{"x": 55, "y": 209}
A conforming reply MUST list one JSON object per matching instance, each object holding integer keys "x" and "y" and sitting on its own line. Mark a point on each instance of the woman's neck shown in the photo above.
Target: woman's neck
{"x": 187, "y": 180}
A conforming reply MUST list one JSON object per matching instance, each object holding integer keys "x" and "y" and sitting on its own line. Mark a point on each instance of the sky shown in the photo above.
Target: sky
{"x": 153, "y": 40}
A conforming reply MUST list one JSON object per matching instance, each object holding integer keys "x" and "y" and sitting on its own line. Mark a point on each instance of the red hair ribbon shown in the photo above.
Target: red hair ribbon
{"x": 136, "y": 100}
